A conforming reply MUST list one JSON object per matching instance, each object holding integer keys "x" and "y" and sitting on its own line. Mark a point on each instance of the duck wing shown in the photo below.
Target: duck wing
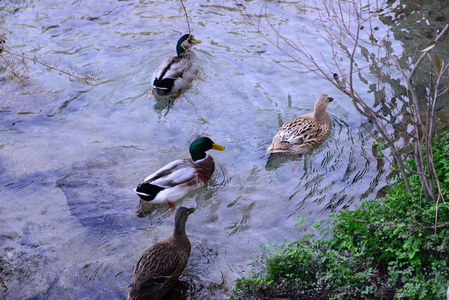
{"x": 161, "y": 264}
{"x": 298, "y": 135}
{"x": 175, "y": 173}
{"x": 300, "y": 130}
{"x": 171, "y": 68}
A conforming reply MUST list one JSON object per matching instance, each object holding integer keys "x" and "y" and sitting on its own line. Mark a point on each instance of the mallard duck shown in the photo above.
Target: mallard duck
{"x": 305, "y": 132}
{"x": 176, "y": 73}
{"x": 176, "y": 179}
{"x": 161, "y": 265}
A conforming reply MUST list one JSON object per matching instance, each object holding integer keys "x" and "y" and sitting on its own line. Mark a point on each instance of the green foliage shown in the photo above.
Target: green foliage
{"x": 391, "y": 248}
{"x": 378, "y": 148}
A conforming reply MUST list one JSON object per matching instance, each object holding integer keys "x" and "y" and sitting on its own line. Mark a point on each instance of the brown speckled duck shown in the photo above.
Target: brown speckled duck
{"x": 305, "y": 132}
{"x": 161, "y": 265}
{"x": 174, "y": 180}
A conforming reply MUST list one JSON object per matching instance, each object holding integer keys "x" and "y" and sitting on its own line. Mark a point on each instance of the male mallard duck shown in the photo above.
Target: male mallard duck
{"x": 305, "y": 132}
{"x": 161, "y": 265}
{"x": 176, "y": 179}
{"x": 176, "y": 73}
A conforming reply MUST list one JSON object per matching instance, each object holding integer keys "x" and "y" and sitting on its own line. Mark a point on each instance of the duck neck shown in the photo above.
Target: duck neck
{"x": 318, "y": 115}
{"x": 319, "y": 111}
{"x": 180, "y": 237}
{"x": 197, "y": 155}
{"x": 180, "y": 51}
{"x": 180, "y": 229}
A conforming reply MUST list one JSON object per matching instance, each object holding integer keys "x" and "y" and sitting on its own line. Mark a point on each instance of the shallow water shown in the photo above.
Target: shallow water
{"x": 71, "y": 154}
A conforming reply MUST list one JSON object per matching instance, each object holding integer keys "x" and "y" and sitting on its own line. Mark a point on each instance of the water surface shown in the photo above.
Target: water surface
{"x": 71, "y": 154}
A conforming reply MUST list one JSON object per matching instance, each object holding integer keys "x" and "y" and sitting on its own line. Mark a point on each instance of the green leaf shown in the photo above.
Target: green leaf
{"x": 438, "y": 63}
{"x": 362, "y": 79}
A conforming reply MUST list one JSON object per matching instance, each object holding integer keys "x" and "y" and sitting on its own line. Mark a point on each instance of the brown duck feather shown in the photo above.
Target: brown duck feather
{"x": 303, "y": 133}
{"x": 161, "y": 265}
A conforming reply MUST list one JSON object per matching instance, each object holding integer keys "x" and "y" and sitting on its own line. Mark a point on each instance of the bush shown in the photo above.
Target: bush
{"x": 390, "y": 248}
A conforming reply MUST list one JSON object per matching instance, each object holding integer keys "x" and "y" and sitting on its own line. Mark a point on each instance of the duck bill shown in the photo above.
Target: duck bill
{"x": 330, "y": 99}
{"x": 197, "y": 41}
{"x": 217, "y": 147}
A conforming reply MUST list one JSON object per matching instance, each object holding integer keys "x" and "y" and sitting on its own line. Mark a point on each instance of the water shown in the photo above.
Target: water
{"x": 71, "y": 154}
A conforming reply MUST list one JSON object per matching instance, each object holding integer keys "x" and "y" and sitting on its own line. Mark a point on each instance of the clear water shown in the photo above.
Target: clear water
{"x": 71, "y": 154}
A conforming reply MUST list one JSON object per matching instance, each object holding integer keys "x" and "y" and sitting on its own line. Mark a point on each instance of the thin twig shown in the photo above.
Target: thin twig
{"x": 13, "y": 71}
{"x": 186, "y": 15}
{"x": 88, "y": 77}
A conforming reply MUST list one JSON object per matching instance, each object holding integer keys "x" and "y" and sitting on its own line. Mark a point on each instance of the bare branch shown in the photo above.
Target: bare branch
{"x": 186, "y": 15}
{"x": 23, "y": 80}
{"x": 342, "y": 24}
{"x": 89, "y": 78}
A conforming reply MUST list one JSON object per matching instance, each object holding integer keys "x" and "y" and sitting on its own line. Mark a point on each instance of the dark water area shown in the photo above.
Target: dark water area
{"x": 415, "y": 26}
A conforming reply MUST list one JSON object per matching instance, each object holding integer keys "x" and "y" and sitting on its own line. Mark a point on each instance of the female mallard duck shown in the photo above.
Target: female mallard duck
{"x": 161, "y": 265}
{"x": 305, "y": 132}
{"x": 176, "y": 73}
{"x": 176, "y": 179}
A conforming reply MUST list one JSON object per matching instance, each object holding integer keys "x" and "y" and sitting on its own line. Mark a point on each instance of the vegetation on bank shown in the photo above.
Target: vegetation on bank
{"x": 390, "y": 248}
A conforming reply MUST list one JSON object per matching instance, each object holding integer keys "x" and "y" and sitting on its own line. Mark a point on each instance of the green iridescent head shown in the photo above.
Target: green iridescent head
{"x": 184, "y": 43}
{"x": 199, "y": 147}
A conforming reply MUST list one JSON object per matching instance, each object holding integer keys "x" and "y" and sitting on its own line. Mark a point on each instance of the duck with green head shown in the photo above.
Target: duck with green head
{"x": 176, "y": 73}
{"x": 176, "y": 179}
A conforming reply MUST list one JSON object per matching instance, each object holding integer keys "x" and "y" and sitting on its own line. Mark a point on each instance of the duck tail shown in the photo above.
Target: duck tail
{"x": 163, "y": 86}
{"x": 147, "y": 191}
{"x": 280, "y": 147}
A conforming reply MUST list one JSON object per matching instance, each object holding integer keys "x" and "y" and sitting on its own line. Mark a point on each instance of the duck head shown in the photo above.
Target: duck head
{"x": 184, "y": 44}
{"x": 181, "y": 216}
{"x": 321, "y": 105}
{"x": 202, "y": 144}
